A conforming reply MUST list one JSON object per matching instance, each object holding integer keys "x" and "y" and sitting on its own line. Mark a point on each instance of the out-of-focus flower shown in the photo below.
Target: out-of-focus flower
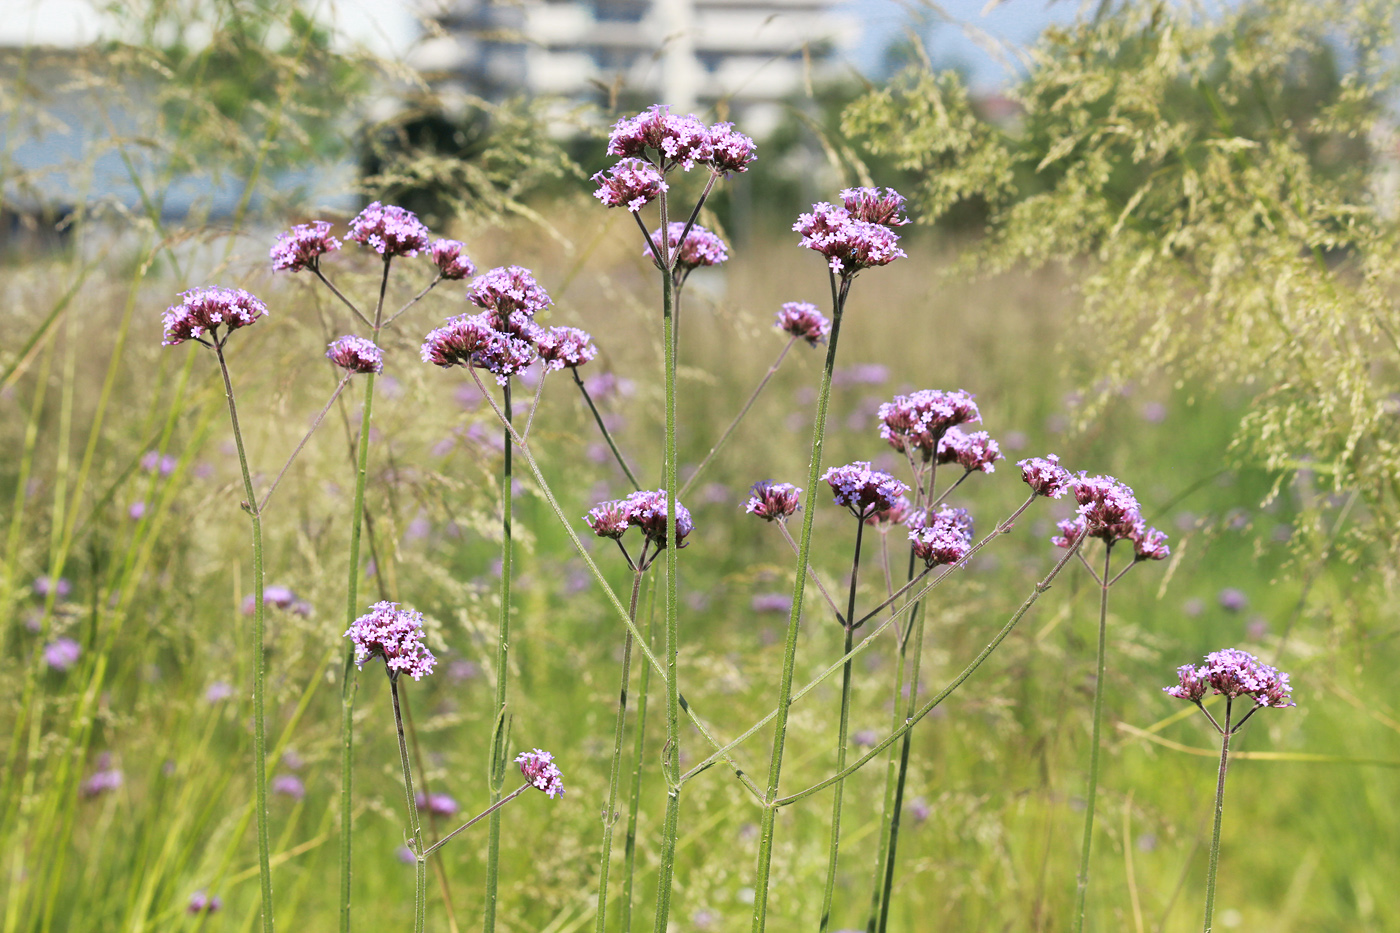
{"x": 356, "y": 354}
{"x": 973, "y": 452}
{"x": 153, "y": 462}
{"x": 848, "y": 244}
{"x": 561, "y": 347}
{"x": 631, "y": 183}
{"x": 62, "y": 654}
{"x": 920, "y": 419}
{"x": 217, "y": 691}
{"x": 1045, "y": 476}
{"x": 1232, "y": 600}
{"x": 802, "y": 319}
{"x": 863, "y": 490}
{"x": 451, "y": 259}
{"x": 389, "y": 230}
{"x": 102, "y": 781}
{"x": 201, "y": 903}
{"x": 875, "y": 206}
{"x": 1071, "y": 530}
{"x": 943, "y": 537}
{"x": 541, "y": 771}
{"x": 302, "y": 246}
{"x": 436, "y": 804}
{"x": 773, "y": 501}
{"x": 1233, "y": 673}
{"x": 771, "y": 602}
{"x": 896, "y": 514}
{"x": 43, "y": 586}
{"x": 394, "y": 634}
{"x": 701, "y": 247}
{"x": 288, "y": 785}
{"x": 202, "y": 311}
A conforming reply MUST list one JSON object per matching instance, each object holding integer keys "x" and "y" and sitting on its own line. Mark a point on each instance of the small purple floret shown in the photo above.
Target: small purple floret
{"x": 62, "y": 654}
{"x": 675, "y": 139}
{"x": 203, "y": 310}
{"x": 973, "y": 452}
{"x": 541, "y": 771}
{"x": 874, "y": 206}
{"x": 942, "y": 537}
{"x": 561, "y": 347}
{"x": 389, "y": 230}
{"x": 630, "y": 183}
{"x": 608, "y": 519}
{"x": 647, "y": 510}
{"x": 394, "y": 634}
{"x": 356, "y": 354}
{"x": 505, "y": 292}
{"x": 863, "y": 490}
{"x": 202, "y": 903}
{"x": 451, "y": 259}
{"x": 302, "y": 246}
{"x": 773, "y": 501}
{"x": 1045, "y": 476}
{"x": 802, "y": 319}
{"x": 731, "y": 151}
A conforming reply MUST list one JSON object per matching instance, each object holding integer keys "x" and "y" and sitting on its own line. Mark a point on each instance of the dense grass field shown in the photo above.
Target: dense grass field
{"x": 118, "y": 476}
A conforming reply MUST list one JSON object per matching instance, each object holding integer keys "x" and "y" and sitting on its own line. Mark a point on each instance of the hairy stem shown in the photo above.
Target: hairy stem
{"x": 610, "y": 811}
{"x": 635, "y": 793}
{"x": 498, "y": 737}
{"x": 415, "y": 828}
{"x": 1219, "y": 814}
{"x": 1082, "y": 889}
{"x": 607, "y": 435}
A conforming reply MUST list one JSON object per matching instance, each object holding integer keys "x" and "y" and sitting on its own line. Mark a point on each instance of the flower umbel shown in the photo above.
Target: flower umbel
{"x": 863, "y": 490}
{"x": 356, "y": 354}
{"x": 204, "y": 310}
{"x": 701, "y": 248}
{"x": 943, "y": 537}
{"x": 973, "y": 452}
{"x": 394, "y": 634}
{"x": 451, "y": 259}
{"x": 802, "y": 319}
{"x": 773, "y": 501}
{"x": 647, "y": 511}
{"x": 849, "y": 244}
{"x": 630, "y": 183}
{"x": 300, "y": 247}
{"x": 1045, "y": 476}
{"x": 389, "y": 230}
{"x": 562, "y": 347}
{"x": 1234, "y": 673}
{"x": 541, "y": 771}
{"x": 874, "y": 206}
{"x": 920, "y": 419}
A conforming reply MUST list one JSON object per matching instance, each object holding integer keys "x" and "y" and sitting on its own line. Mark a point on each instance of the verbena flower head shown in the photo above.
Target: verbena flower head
{"x": 541, "y": 771}
{"x": 702, "y": 248}
{"x": 863, "y": 490}
{"x": 300, "y": 247}
{"x": 1234, "y": 673}
{"x": 942, "y": 537}
{"x": 875, "y": 206}
{"x": 102, "y": 781}
{"x": 507, "y": 293}
{"x": 562, "y": 347}
{"x": 848, "y": 244}
{"x": 676, "y": 140}
{"x": 920, "y": 420}
{"x": 973, "y": 452}
{"x": 508, "y": 355}
{"x": 731, "y": 151}
{"x": 608, "y": 519}
{"x": 389, "y": 230}
{"x": 203, "y": 310}
{"x": 451, "y": 259}
{"x": 436, "y": 804}
{"x": 201, "y": 903}
{"x": 1108, "y": 507}
{"x": 1071, "y": 530}
{"x": 1045, "y": 476}
{"x": 62, "y": 654}
{"x": 394, "y": 634}
{"x": 896, "y": 514}
{"x": 647, "y": 510}
{"x": 458, "y": 341}
{"x": 802, "y": 319}
{"x": 356, "y": 354}
{"x": 1149, "y": 543}
{"x": 773, "y": 501}
{"x": 631, "y": 183}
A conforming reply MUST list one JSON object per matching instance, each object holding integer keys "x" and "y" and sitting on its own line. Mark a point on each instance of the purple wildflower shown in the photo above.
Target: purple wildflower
{"x": 677, "y": 140}
{"x": 288, "y": 785}
{"x": 217, "y": 691}
{"x": 394, "y": 634}
{"x": 436, "y": 804}
{"x": 506, "y": 355}
{"x": 45, "y": 585}
{"x": 389, "y": 230}
{"x": 630, "y": 183}
{"x": 1234, "y": 673}
{"x": 1149, "y": 543}
{"x": 456, "y": 342}
{"x": 203, "y": 310}
{"x": 647, "y": 510}
{"x": 102, "y": 781}
{"x": 802, "y": 319}
{"x": 356, "y": 354}
{"x": 731, "y": 151}
{"x": 894, "y": 515}
{"x": 973, "y": 452}
{"x": 608, "y": 519}
{"x": 302, "y": 246}
{"x": 506, "y": 292}
{"x": 541, "y": 771}
{"x": 920, "y": 420}
{"x": 773, "y": 501}
{"x": 771, "y": 602}
{"x": 451, "y": 259}
{"x": 871, "y": 206}
{"x": 849, "y": 245}
{"x": 1045, "y": 476}
{"x": 1071, "y": 530}
{"x": 1232, "y": 600}
{"x": 565, "y": 346}
{"x": 942, "y": 537}
{"x": 863, "y": 490}
{"x": 1108, "y": 507}
{"x": 702, "y": 247}
{"x": 202, "y": 903}
{"x": 62, "y": 654}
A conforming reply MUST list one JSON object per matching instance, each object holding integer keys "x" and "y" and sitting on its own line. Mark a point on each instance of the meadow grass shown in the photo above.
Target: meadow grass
{"x": 990, "y": 830}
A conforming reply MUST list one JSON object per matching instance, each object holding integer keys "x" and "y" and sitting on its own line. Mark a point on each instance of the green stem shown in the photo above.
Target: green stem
{"x": 635, "y": 793}
{"x": 259, "y": 738}
{"x": 841, "y": 733}
{"x": 478, "y": 818}
{"x": 671, "y": 765}
{"x": 775, "y": 766}
{"x": 1081, "y": 892}
{"x": 891, "y": 846}
{"x": 500, "y": 731}
{"x": 607, "y": 435}
{"x": 1219, "y": 814}
{"x": 415, "y": 827}
{"x": 610, "y": 812}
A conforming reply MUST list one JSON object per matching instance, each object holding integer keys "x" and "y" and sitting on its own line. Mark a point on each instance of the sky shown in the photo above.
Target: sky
{"x": 955, "y": 32}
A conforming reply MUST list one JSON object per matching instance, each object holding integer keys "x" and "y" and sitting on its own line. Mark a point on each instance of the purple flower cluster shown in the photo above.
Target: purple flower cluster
{"x": 202, "y": 903}
{"x": 973, "y": 452}
{"x": 849, "y": 243}
{"x": 389, "y": 230}
{"x": 451, "y": 259}
{"x": 942, "y": 537}
{"x": 503, "y": 338}
{"x": 356, "y": 354}
{"x": 802, "y": 319}
{"x": 897, "y": 514}
{"x": 561, "y": 347}
{"x": 631, "y": 183}
{"x": 920, "y": 420}
{"x": 102, "y": 781}
{"x": 643, "y": 509}
{"x": 1045, "y": 476}
{"x": 872, "y": 205}
{"x": 203, "y": 310}
{"x": 730, "y": 150}
{"x": 62, "y": 654}
{"x": 1109, "y": 511}
{"x": 300, "y": 247}
{"x": 541, "y": 771}
{"x": 773, "y": 501}
{"x": 702, "y": 247}
{"x": 680, "y": 141}
{"x": 1233, "y": 673}
{"x": 436, "y": 804}
{"x": 508, "y": 291}
{"x": 394, "y": 634}
{"x": 863, "y": 490}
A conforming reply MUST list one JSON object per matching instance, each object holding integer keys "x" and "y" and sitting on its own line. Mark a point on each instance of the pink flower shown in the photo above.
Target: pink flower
{"x": 802, "y": 319}
{"x": 675, "y": 140}
{"x": 863, "y": 490}
{"x": 773, "y": 501}
{"x": 849, "y": 244}
{"x": 731, "y": 151}
{"x": 204, "y": 310}
{"x": 630, "y": 183}
{"x": 973, "y": 452}
{"x": 389, "y": 230}
{"x": 943, "y": 537}
{"x": 451, "y": 260}
{"x": 356, "y": 354}
{"x": 871, "y": 206}
{"x": 562, "y": 347}
{"x": 302, "y": 246}
{"x": 921, "y": 419}
{"x": 1234, "y": 673}
{"x": 702, "y": 248}
{"x": 394, "y": 634}
{"x": 1045, "y": 476}
{"x": 541, "y": 771}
